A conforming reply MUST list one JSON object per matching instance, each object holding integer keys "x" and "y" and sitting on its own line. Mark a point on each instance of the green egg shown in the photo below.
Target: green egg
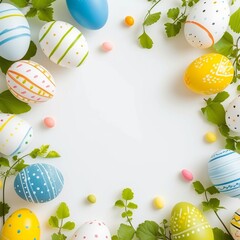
{"x": 188, "y": 223}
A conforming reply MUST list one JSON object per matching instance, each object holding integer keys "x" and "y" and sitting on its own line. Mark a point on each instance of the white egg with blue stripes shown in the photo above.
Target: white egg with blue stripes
{"x": 39, "y": 183}
{"x": 224, "y": 172}
{"x": 63, "y": 44}
{"x": 15, "y": 34}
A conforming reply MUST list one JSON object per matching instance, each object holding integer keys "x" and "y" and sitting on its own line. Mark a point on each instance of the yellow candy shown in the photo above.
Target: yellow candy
{"x": 209, "y": 74}
{"x": 1, "y": 184}
{"x": 91, "y": 198}
{"x": 158, "y": 203}
{"x": 210, "y": 137}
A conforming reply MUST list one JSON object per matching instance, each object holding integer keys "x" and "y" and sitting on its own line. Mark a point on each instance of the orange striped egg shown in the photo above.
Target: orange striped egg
{"x": 30, "y": 82}
{"x": 63, "y": 44}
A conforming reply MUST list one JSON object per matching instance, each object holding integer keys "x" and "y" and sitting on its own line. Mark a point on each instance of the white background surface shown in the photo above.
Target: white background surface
{"x": 123, "y": 119}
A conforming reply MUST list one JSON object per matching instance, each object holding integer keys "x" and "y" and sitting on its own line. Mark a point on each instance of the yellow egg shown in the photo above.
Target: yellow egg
{"x": 209, "y": 74}
{"x": 22, "y": 224}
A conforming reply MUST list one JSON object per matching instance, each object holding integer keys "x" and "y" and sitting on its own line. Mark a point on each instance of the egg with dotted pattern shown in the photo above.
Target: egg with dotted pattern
{"x": 188, "y": 223}
{"x": 63, "y": 44}
{"x": 209, "y": 74}
{"x": 22, "y": 224}
{"x": 15, "y": 134}
{"x": 15, "y": 33}
{"x": 235, "y": 225}
{"x": 233, "y": 115}
{"x": 92, "y": 230}
{"x": 39, "y": 183}
{"x": 207, "y": 22}
{"x": 30, "y": 82}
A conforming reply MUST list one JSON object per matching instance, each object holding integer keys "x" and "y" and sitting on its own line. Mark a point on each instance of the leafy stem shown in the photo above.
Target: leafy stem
{"x": 127, "y": 215}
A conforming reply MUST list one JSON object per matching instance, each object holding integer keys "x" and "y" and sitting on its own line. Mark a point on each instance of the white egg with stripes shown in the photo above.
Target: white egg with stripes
{"x": 30, "y": 82}
{"x": 63, "y": 44}
{"x": 15, "y": 34}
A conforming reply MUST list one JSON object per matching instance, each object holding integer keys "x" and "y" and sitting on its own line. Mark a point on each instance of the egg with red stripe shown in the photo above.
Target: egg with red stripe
{"x": 30, "y": 82}
{"x": 207, "y": 22}
{"x": 63, "y": 44}
{"x": 14, "y": 33}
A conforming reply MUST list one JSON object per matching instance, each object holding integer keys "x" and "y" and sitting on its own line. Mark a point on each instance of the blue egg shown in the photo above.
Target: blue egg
{"x": 91, "y": 14}
{"x": 39, "y": 183}
{"x": 224, "y": 172}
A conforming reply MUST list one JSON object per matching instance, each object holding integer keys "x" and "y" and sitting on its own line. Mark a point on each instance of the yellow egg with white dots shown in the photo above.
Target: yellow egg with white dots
{"x": 209, "y": 74}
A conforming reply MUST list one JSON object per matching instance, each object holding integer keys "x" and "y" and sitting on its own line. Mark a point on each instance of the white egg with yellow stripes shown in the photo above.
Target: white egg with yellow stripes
{"x": 14, "y": 33}
{"x": 63, "y": 44}
{"x": 30, "y": 82}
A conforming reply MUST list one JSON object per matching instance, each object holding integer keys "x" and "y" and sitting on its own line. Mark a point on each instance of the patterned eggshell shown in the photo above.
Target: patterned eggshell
{"x": 15, "y": 134}
{"x": 224, "y": 172}
{"x": 235, "y": 225}
{"x": 92, "y": 230}
{"x": 14, "y": 33}
{"x": 209, "y": 74}
{"x": 63, "y": 44}
{"x": 30, "y": 82}
{"x": 233, "y": 115}
{"x": 207, "y": 22}
{"x": 39, "y": 183}
{"x": 22, "y": 224}
{"x": 188, "y": 223}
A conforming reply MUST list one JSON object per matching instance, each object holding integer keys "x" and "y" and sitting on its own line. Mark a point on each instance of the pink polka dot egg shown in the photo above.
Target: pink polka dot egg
{"x": 30, "y": 82}
{"x": 92, "y": 230}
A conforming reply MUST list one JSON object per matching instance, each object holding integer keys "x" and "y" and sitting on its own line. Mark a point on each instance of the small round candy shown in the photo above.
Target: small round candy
{"x": 91, "y": 198}
{"x": 210, "y": 137}
{"x": 49, "y": 122}
{"x": 107, "y": 46}
{"x": 187, "y": 175}
{"x": 158, "y": 202}
{"x": 129, "y": 21}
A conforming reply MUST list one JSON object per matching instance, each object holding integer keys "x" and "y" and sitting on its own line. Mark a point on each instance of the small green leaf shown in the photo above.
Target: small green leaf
{"x": 235, "y": 21}
{"x": 173, "y": 13}
{"x": 4, "y": 209}
{"x": 152, "y": 18}
{"x": 34, "y": 153}
{"x": 31, "y": 13}
{"x": 212, "y": 190}
{"x": 230, "y": 144}
{"x": 119, "y": 203}
{"x": 46, "y": 14}
{"x": 206, "y": 206}
{"x": 220, "y": 235}
{"x": 145, "y": 41}
{"x": 238, "y": 146}
{"x": 53, "y": 222}
{"x": 53, "y": 154}
{"x": 172, "y": 29}
{"x": 224, "y": 130}
{"x": 198, "y": 187}
{"x": 114, "y": 237}
{"x": 132, "y": 205}
{"x": 4, "y": 162}
{"x": 43, "y": 150}
{"x": 59, "y": 236}
{"x": 20, "y": 166}
{"x": 42, "y": 4}
{"x": 214, "y": 204}
{"x": 69, "y": 226}
{"x": 63, "y": 211}
{"x": 20, "y": 3}
{"x": 148, "y": 230}
{"x": 127, "y": 194}
{"x": 225, "y": 44}
{"x": 15, "y": 158}
{"x": 125, "y": 232}
{"x": 221, "y": 97}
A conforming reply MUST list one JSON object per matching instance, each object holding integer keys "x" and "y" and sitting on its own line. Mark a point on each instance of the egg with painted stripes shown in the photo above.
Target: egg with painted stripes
{"x": 207, "y": 22}
{"x": 39, "y": 183}
{"x": 15, "y": 134}
{"x": 15, "y": 34}
{"x": 63, "y": 44}
{"x": 235, "y": 225}
{"x": 30, "y": 82}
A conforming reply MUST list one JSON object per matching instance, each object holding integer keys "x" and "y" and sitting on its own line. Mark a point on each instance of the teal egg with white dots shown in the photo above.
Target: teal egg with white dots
{"x": 39, "y": 183}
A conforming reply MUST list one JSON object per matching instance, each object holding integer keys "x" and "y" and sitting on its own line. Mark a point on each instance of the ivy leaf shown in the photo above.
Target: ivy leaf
{"x": 132, "y": 205}
{"x": 145, "y": 41}
{"x": 31, "y": 13}
{"x": 125, "y": 232}
{"x": 148, "y": 230}
{"x": 53, "y": 154}
{"x": 235, "y": 21}
{"x": 4, "y": 207}
{"x": 219, "y": 234}
{"x": 42, "y": 4}
{"x": 173, "y": 13}
{"x": 53, "y": 222}
{"x": 225, "y": 44}
{"x": 198, "y": 187}
{"x": 119, "y": 203}
{"x": 69, "y": 225}
{"x": 152, "y": 18}
{"x": 212, "y": 190}
{"x": 127, "y": 194}
{"x": 63, "y": 211}
{"x": 172, "y": 29}
{"x": 46, "y": 14}
{"x": 20, "y": 3}
{"x": 20, "y": 166}
{"x": 4, "y": 162}
{"x": 221, "y": 97}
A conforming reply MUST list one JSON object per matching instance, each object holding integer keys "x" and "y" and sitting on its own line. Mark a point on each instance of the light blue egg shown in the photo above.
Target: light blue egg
{"x": 39, "y": 183}
{"x": 91, "y": 14}
{"x": 224, "y": 172}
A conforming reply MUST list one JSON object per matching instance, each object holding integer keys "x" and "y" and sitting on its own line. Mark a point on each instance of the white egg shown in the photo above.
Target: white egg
{"x": 233, "y": 115}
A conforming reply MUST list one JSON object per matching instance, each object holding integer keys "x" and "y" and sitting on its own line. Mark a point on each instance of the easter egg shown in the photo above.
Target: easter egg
{"x": 63, "y": 44}
{"x": 22, "y": 224}
{"x": 224, "y": 172}
{"x": 188, "y": 223}
{"x": 233, "y": 115}
{"x": 39, "y": 183}
{"x": 207, "y": 22}
{"x": 91, "y": 14}
{"x": 30, "y": 82}
{"x": 209, "y": 74}
{"x": 14, "y": 33}
{"x": 235, "y": 225}
{"x": 92, "y": 230}
{"x": 15, "y": 134}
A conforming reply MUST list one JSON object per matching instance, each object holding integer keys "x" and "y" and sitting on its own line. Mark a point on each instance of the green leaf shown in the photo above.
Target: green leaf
{"x": 4, "y": 209}
{"x": 132, "y": 205}
{"x": 4, "y": 162}
{"x": 20, "y": 166}
{"x": 31, "y": 13}
{"x": 152, "y": 18}
{"x": 148, "y": 230}
{"x": 212, "y": 204}
{"x": 235, "y": 21}
{"x": 172, "y": 29}
{"x": 10, "y": 104}
{"x": 63, "y": 211}
{"x": 225, "y": 44}
{"x": 173, "y": 13}
{"x": 127, "y": 194}
{"x": 125, "y": 232}
{"x": 230, "y": 144}
{"x": 46, "y": 14}
{"x": 42, "y": 4}
{"x": 69, "y": 226}
{"x": 34, "y": 153}
{"x": 224, "y": 130}
{"x": 145, "y": 41}
{"x": 238, "y": 146}
{"x": 221, "y": 97}
{"x": 212, "y": 190}
{"x": 59, "y": 236}
{"x": 128, "y": 213}
{"x": 53, "y": 222}
{"x": 220, "y": 235}
{"x": 206, "y": 206}
{"x": 53, "y": 154}
{"x": 198, "y": 187}
{"x": 43, "y": 150}
{"x": 114, "y": 237}
{"x": 20, "y": 3}
{"x": 119, "y": 203}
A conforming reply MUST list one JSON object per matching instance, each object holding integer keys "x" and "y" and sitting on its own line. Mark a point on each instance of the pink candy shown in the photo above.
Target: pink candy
{"x": 187, "y": 175}
{"x": 49, "y": 122}
{"x": 107, "y": 46}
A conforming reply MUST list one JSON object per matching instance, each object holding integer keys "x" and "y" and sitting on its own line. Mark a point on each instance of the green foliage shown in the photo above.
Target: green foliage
{"x": 125, "y": 232}
{"x": 148, "y": 230}
{"x": 4, "y": 162}
{"x": 145, "y": 41}
{"x": 225, "y": 45}
{"x": 220, "y": 234}
{"x": 20, "y": 3}
{"x": 58, "y": 236}
{"x": 152, "y": 18}
{"x": 4, "y": 209}
{"x": 235, "y": 21}
{"x": 43, "y": 153}
{"x": 63, "y": 211}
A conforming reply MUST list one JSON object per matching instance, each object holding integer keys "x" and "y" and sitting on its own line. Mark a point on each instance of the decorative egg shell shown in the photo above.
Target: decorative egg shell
{"x": 207, "y": 22}
{"x": 235, "y": 225}
{"x": 22, "y": 224}
{"x": 188, "y": 223}
{"x": 91, "y": 14}
{"x": 30, "y": 82}
{"x": 39, "y": 183}
{"x": 92, "y": 230}
{"x": 233, "y": 115}
{"x": 14, "y": 33}
{"x": 224, "y": 172}
{"x": 63, "y": 44}
{"x": 209, "y": 74}
{"x": 15, "y": 134}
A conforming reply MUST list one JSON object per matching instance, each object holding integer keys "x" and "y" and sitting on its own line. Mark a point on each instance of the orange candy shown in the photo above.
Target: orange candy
{"x": 129, "y": 21}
